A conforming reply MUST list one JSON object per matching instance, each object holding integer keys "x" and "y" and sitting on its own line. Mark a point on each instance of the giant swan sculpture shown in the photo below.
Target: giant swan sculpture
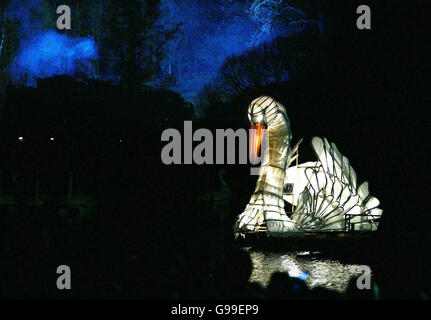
{"x": 325, "y": 192}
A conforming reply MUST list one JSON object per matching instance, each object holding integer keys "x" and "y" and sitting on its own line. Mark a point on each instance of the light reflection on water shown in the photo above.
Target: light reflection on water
{"x": 322, "y": 272}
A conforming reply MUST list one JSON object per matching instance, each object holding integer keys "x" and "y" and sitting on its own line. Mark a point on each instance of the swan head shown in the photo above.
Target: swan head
{"x": 265, "y": 110}
{"x": 258, "y": 108}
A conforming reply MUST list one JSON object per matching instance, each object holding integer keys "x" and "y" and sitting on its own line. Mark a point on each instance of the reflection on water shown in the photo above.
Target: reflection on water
{"x": 322, "y": 272}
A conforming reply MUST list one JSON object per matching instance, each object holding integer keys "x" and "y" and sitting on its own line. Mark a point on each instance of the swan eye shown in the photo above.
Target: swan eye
{"x": 259, "y": 118}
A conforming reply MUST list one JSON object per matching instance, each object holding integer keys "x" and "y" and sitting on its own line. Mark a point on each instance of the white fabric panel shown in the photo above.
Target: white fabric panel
{"x": 330, "y": 198}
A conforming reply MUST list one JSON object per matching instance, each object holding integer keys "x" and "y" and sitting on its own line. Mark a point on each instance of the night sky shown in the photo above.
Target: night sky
{"x": 209, "y": 32}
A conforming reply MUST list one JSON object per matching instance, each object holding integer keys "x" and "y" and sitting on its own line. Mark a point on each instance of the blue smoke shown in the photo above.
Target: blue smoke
{"x": 44, "y": 53}
{"x": 49, "y": 54}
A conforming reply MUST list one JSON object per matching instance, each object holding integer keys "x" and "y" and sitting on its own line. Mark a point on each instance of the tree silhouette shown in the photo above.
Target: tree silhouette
{"x": 275, "y": 62}
{"x": 8, "y": 46}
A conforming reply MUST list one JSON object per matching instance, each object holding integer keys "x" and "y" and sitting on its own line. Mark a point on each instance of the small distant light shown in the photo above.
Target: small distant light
{"x": 52, "y": 138}
{"x": 121, "y": 140}
{"x": 303, "y": 276}
{"x": 21, "y": 138}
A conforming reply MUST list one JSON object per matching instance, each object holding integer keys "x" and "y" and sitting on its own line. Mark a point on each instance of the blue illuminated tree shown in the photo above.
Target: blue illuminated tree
{"x": 283, "y": 17}
{"x": 137, "y": 40}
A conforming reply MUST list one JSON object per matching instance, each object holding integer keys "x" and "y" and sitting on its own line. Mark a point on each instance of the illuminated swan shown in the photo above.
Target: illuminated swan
{"x": 325, "y": 191}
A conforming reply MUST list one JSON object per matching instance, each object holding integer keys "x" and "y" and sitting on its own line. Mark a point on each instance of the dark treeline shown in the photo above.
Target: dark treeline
{"x": 148, "y": 231}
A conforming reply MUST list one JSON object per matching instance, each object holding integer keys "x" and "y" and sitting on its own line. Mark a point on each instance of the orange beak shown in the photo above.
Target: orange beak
{"x": 256, "y": 136}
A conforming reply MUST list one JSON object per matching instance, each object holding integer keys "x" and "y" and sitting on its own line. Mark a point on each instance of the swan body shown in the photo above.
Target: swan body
{"x": 325, "y": 191}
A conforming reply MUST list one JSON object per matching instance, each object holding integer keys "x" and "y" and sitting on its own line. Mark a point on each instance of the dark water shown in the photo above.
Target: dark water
{"x": 322, "y": 272}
